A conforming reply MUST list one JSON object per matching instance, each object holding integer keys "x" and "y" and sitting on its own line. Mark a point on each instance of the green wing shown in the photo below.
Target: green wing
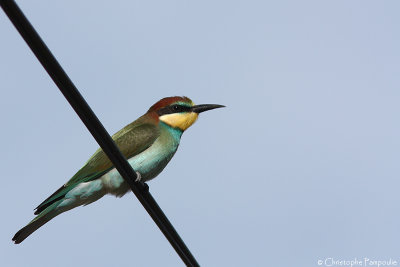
{"x": 131, "y": 140}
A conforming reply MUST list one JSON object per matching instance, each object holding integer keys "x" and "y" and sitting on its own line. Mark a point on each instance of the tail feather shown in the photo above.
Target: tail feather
{"x": 46, "y": 215}
{"x": 82, "y": 194}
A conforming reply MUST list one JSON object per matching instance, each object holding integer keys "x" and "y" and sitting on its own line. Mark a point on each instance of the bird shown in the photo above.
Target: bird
{"x": 148, "y": 143}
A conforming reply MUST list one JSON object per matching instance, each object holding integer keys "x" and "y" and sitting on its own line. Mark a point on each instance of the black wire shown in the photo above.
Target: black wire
{"x": 78, "y": 103}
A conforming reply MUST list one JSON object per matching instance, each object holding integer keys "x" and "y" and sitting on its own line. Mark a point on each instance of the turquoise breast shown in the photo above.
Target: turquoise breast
{"x": 153, "y": 160}
{"x": 149, "y": 163}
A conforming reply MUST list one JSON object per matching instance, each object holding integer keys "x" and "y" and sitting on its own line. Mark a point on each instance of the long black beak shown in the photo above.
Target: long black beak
{"x": 205, "y": 107}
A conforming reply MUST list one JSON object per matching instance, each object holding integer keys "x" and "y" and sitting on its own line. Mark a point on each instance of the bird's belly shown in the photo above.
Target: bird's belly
{"x": 149, "y": 164}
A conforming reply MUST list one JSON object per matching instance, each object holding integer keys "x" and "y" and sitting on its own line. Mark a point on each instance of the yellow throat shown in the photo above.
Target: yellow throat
{"x": 179, "y": 120}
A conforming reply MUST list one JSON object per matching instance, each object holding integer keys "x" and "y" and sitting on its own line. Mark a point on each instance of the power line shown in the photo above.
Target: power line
{"x": 81, "y": 107}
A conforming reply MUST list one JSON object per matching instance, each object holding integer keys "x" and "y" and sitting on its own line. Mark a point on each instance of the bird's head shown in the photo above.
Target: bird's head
{"x": 179, "y": 112}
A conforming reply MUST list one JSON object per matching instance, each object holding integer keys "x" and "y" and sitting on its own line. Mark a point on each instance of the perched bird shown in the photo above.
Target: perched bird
{"x": 148, "y": 143}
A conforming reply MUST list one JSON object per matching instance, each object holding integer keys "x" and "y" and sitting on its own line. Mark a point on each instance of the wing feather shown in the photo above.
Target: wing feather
{"x": 131, "y": 140}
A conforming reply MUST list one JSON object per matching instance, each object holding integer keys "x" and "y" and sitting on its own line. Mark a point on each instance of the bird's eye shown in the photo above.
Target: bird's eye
{"x": 176, "y": 107}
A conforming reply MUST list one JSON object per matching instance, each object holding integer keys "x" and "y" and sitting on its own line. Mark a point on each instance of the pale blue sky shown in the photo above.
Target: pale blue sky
{"x": 302, "y": 165}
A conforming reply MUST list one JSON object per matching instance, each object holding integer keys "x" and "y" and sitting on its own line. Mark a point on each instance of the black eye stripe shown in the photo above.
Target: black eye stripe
{"x": 176, "y": 108}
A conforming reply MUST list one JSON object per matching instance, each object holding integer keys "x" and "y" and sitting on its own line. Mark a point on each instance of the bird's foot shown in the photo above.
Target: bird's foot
{"x": 141, "y": 184}
{"x": 138, "y": 177}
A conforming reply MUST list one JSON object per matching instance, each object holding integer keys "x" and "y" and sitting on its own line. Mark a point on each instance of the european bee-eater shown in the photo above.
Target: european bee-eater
{"x": 148, "y": 143}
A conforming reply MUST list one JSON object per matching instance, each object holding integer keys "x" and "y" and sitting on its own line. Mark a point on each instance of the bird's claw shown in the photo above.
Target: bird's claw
{"x": 141, "y": 184}
{"x": 138, "y": 177}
